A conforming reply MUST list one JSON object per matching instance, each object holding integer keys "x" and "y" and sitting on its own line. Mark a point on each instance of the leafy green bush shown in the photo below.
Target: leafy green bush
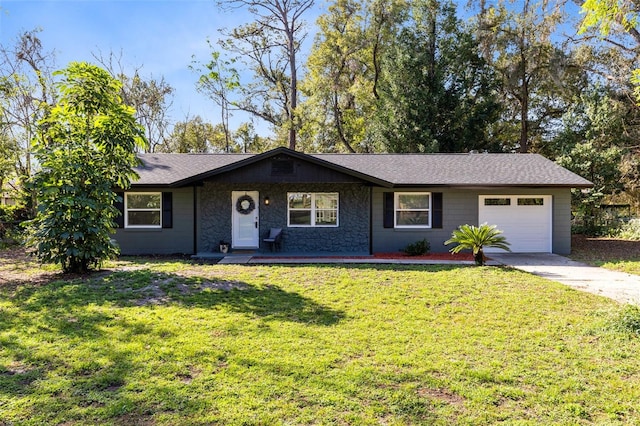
{"x": 10, "y": 219}
{"x": 418, "y": 248}
{"x": 85, "y": 148}
{"x": 630, "y": 230}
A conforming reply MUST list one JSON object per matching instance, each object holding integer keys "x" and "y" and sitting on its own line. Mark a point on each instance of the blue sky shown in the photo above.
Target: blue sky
{"x": 159, "y": 35}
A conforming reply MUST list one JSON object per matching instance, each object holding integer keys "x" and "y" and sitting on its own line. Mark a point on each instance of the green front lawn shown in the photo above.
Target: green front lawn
{"x": 173, "y": 343}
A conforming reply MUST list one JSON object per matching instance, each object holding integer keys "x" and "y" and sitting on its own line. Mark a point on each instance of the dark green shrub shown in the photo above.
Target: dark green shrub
{"x": 10, "y": 219}
{"x": 418, "y": 248}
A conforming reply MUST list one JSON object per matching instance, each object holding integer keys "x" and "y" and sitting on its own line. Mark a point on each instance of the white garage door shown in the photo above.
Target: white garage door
{"x": 524, "y": 219}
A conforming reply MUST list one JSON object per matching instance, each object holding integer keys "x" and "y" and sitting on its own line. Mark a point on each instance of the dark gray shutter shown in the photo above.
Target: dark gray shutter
{"x": 436, "y": 214}
{"x": 388, "y": 208}
{"x": 119, "y": 204}
{"x": 167, "y": 209}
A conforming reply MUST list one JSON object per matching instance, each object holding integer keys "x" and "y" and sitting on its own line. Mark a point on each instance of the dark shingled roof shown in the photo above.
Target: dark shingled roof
{"x": 388, "y": 169}
{"x": 460, "y": 169}
{"x": 168, "y": 169}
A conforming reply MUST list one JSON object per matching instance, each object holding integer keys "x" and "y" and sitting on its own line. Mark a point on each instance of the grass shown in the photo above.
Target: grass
{"x": 612, "y": 263}
{"x": 168, "y": 342}
{"x": 628, "y": 266}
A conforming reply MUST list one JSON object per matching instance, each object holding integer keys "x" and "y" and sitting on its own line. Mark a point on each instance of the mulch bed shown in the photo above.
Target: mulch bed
{"x": 399, "y": 255}
{"x": 591, "y": 249}
{"x": 429, "y": 256}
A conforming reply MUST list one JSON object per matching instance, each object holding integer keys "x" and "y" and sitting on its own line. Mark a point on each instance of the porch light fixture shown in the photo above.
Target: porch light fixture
{"x": 266, "y": 201}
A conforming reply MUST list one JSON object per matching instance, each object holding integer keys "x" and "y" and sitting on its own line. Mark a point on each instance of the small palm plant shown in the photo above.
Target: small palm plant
{"x": 475, "y": 238}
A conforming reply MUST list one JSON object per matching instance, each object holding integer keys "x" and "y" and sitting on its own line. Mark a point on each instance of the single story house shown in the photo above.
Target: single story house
{"x": 351, "y": 204}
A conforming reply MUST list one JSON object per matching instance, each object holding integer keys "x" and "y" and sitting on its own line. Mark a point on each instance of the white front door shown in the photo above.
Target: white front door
{"x": 245, "y": 226}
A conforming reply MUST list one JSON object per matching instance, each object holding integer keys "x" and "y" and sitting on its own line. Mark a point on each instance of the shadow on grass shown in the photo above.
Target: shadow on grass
{"x": 43, "y": 325}
{"x": 147, "y": 288}
{"x": 99, "y": 381}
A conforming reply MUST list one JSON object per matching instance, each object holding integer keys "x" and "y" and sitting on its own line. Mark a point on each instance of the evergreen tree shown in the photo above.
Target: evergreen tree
{"x": 436, "y": 93}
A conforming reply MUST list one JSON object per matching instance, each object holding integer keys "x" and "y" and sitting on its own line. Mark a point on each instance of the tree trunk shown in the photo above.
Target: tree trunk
{"x": 432, "y": 44}
{"x": 524, "y": 118}
{"x": 293, "y": 91}
{"x": 524, "y": 86}
{"x": 337, "y": 115}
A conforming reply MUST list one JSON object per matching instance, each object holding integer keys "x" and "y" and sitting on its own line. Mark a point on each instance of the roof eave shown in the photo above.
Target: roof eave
{"x": 385, "y": 184}
{"x": 488, "y": 185}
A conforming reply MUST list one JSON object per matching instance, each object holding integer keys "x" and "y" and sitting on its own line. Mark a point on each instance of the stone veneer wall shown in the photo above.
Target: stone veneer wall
{"x": 351, "y": 236}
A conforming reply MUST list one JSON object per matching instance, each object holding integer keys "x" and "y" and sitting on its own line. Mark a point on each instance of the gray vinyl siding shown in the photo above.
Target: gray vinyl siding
{"x": 460, "y": 206}
{"x": 351, "y": 236}
{"x": 561, "y": 221}
{"x": 175, "y": 240}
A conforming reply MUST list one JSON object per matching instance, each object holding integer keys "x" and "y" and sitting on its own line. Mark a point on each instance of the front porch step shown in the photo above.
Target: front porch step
{"x": 235, "y": 259}
{"x": 243, "y": 252}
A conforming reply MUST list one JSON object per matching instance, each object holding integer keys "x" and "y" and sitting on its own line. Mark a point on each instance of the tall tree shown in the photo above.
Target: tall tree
{"x": 436, "y": 94}
{"x": 617, "y": 24}
{"x": 8, "y": 158}
{"x": 218, "y": 80}
{"x": 25, "y": 97}
{"x": 197, "y": 136}
{"x": 617, "y": 62}
{"x": 86, "y": 147}
{"x": 519, "y": 45}
{"x": 248, "y": 141}
{"x": 269, "y": 46}
{"x": 612, "y": 16}
{"x": 150, "y": 97}
{"x": 344, "y": 70}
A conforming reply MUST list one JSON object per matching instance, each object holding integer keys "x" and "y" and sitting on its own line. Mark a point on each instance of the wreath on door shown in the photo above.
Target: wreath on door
{"x": 245, "y": 204}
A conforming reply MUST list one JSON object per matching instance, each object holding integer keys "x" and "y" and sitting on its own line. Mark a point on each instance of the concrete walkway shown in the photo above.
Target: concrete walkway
{"x": 618, "y": 286}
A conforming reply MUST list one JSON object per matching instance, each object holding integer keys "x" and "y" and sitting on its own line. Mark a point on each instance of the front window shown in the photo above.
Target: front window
{"x": 313, "y": 209}
{"x": 143, "y": 209}
{"x": 413, "y": 210}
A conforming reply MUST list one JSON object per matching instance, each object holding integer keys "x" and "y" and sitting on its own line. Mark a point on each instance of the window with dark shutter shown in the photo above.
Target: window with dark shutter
{"x": 412, "y": 209}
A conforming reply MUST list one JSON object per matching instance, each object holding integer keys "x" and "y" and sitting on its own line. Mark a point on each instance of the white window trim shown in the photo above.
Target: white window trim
{"x": 396, "y": 203}
{"x": 126, "y": 210}
{"x": 313, "y": 210}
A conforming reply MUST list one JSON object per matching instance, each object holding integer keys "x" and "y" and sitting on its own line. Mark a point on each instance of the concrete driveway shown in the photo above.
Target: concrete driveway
{"x": 618, "y": 286}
